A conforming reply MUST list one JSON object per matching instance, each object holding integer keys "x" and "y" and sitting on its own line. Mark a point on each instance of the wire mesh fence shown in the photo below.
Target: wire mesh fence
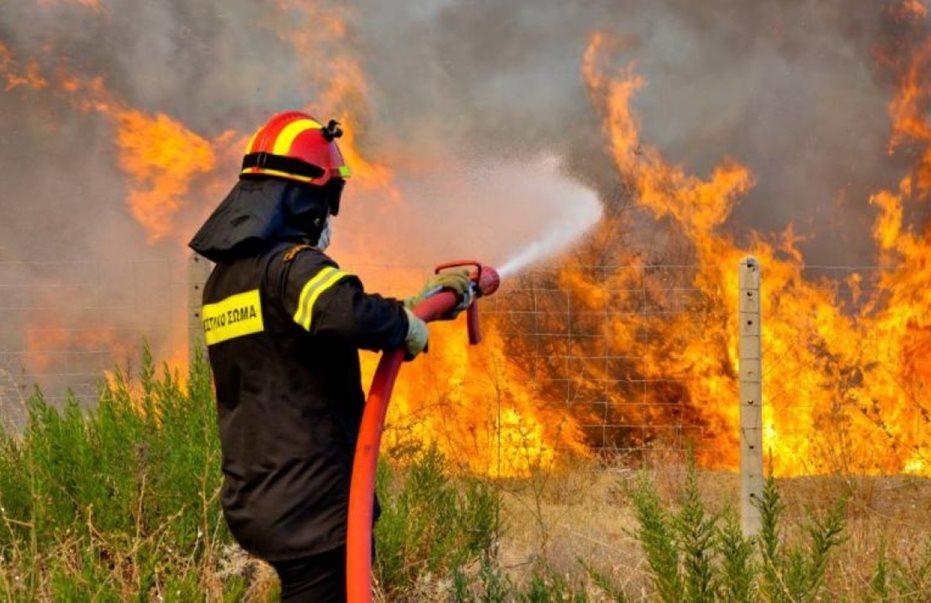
{"x": 564, "y": 331}
{"x": 635, "y": 356}
{"x": 68, "y": 322}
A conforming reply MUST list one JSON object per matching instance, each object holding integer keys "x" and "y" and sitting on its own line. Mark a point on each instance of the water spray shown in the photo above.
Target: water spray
{"x": 530, "y": 254}
{"x": 569, "y": 229}
{"x": 536, "y": 251}
{"x": 485, "y": 281}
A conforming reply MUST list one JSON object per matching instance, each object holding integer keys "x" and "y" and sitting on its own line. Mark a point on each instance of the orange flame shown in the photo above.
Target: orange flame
{"x": 53, "y": 343}
{"x": 161, "y": 157}
{"x": 843, "y": 391}
{"x": 909, "y": 9}
{"x": 29, "y": 77}
{"x": 846, "y": 382}
{"x": 474, "y": 404}
{"x": 320, "y": 35}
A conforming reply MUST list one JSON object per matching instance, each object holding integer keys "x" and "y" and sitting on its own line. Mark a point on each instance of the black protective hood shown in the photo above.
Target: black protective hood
{"x": 257, "y": 214}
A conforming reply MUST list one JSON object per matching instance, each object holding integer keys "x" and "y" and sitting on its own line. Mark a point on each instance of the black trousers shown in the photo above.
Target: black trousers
{"x": 318, "y": 578}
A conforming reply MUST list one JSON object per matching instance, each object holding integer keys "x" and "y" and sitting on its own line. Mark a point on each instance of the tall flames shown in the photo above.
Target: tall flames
{"x": 160, "y": 156}
{"x": 847, "y": 377}
{"x": 846, "y": 382}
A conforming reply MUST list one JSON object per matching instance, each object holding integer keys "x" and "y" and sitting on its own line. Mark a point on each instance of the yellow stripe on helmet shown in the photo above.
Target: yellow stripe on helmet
{"x": 291, "y": 131}
{"x": 268, "y": 172}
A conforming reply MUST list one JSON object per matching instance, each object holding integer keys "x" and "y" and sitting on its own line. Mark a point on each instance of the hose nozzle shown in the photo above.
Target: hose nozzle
{"x": 485, "y": 281}
{"x": 484, "y": 277}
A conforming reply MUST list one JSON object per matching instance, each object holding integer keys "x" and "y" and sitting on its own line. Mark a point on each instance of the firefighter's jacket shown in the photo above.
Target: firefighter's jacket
{"x": 283, "y": 330}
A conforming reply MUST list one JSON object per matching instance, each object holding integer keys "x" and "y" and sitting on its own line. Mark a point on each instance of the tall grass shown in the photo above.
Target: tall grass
{"x": 119, "y": 502}
{"x": 430, "y": 525}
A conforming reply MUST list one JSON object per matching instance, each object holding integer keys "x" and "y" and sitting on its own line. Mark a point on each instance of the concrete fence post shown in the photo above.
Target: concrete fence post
{"x": 751, "y": 395}
{"x": 198, "y": 270}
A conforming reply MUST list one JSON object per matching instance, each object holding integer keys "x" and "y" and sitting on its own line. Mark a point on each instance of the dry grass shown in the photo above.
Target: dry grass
{"x": 580, "y": 513}
{"x": 583, "y": 513}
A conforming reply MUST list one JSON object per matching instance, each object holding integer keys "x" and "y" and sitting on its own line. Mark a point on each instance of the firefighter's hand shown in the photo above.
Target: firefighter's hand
{"x": 417, "y": 336}
{"x": 456, "y": 280}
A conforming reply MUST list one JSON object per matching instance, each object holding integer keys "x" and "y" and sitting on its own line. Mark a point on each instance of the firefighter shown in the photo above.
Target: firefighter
{"x": 283, "y": 326}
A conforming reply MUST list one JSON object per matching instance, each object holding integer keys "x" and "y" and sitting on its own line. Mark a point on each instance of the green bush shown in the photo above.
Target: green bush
{"x": 493, "y": 585}
{"x": 116, "y": 502}
{"x": 795, "y": 573}
{"x": 120, "y": 502}
{"x": 697, "y": 556}
{"x": 430, "y": 525}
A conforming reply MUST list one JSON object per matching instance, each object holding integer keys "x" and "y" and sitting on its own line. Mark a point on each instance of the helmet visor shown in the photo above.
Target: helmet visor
{"x": 332, "y": 191}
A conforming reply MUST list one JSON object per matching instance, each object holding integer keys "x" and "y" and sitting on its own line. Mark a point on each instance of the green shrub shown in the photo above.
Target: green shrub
{"x": 430, "y": 525}
{"x": 738, "y": 566}
{"x": 657, "y": 536}
{"x": 904, "y": 581}
{"x": 697, "y": 556}
{"x": 696, "y": 533}
{"x": 120, "y": 502}
{"x": 796, "y": 573}
{"x": 493, "y": 585}
{"x": 117, "y": 501}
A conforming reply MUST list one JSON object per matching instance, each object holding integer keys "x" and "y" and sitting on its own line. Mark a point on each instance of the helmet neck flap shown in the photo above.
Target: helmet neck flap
{"x": 259, "y": 213}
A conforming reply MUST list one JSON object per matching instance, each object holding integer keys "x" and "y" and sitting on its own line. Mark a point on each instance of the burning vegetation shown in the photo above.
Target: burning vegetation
{"x": 847, "y": 373}
{"x": 845, "y": 382}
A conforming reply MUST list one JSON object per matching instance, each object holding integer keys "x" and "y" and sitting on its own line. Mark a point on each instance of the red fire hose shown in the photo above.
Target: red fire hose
{"x": 362, "y": 488}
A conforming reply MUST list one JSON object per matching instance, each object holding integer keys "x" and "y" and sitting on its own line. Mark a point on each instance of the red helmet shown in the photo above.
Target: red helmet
{"x": 295, "y": 146}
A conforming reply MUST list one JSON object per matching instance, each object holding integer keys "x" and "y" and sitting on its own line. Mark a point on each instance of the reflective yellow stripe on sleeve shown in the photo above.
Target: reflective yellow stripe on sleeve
{"x": 312, "y": 290}
{"x": 236, "y": 316}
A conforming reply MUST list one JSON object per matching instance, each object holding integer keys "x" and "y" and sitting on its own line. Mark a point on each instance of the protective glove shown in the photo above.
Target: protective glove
{"x": 417, "y": 336}
{"x": 457, "y": 280}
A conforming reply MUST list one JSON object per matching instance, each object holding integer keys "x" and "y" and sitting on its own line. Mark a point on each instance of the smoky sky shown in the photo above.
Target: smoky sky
{"x": 788, "y": 88}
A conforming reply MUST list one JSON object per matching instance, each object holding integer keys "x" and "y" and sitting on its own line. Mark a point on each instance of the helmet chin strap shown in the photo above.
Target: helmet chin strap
{"x": 326, "y": 234}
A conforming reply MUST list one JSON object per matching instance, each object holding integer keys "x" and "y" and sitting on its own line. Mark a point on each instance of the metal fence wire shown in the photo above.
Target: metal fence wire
{"x": 67, "y": 322}
{"x": 565, "y": 338}
{"x": 593, "y": 340}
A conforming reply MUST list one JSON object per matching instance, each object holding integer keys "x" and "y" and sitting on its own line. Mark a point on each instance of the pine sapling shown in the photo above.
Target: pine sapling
{"x": 768, "y": 541}
{"x": 737, "y": 564}
{"x": 696, "y": 532}
{"x": 879, "y": 584}
{"x": 658, "y": 539}
{"x": 824, "y": 535}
